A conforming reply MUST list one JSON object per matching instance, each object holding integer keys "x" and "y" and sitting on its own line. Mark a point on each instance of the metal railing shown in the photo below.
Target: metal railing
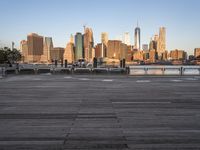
{"x": 164, "y": 70}
{"x": 131, "y": 70}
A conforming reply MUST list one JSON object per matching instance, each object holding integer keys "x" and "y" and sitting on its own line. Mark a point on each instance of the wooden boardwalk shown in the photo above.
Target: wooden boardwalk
{"x": 48, "y": 112}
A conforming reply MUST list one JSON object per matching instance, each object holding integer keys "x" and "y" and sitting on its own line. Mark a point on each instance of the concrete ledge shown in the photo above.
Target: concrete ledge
{"x": 43, "y": 70}
{"x": 171, "y": 70}
{"x": 100, "y": 71}
{"x": 10, "y": 71}
{"x": 27, "y": 71}
{"x": 164, "y": 70}
{"x": 117, "y": 71}
{"x": 62, "y": 71}
{"x": 82, "y": 71}
{"x": 191, "y": 70}
{"x": 154, "y": 71}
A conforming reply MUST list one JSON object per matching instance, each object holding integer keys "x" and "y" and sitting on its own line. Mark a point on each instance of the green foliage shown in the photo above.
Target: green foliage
{"x": 2, "y": 56}
{"x": 9, "y": 56}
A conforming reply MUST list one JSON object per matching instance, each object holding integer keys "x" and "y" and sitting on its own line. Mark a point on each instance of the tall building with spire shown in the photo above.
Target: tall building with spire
{"x": 137, "y": 38}
{"x": 88, "y": 43}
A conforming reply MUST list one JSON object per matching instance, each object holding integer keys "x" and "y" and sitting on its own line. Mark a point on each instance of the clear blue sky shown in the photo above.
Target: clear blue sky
{"x": 60, "y": 18}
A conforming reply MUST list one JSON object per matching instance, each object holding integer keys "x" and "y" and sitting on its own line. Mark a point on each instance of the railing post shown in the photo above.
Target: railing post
{"x": 5, "y": 71}
{"x": 127, "y": 70}
{"x": 163, "y": 71}
{"x": 146, "y": 70}
{"x": 199, "y": 71}
{"x": 2, "y": 72}
{"x": 181, "y": 71}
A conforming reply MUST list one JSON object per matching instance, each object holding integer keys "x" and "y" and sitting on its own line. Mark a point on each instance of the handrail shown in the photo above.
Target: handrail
{"x": 164, "y": 70}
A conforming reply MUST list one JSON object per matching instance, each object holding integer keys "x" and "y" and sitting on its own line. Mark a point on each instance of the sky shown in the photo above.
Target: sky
{"x": 61, "y": 18}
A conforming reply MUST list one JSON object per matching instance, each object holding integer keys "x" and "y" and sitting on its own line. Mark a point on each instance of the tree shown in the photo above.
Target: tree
{"x": 2, "y": 56}
{"x": 9, "y": 56}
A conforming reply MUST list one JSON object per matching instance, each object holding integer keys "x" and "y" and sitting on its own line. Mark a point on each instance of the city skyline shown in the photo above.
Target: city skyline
{"x": 116, "y": 18}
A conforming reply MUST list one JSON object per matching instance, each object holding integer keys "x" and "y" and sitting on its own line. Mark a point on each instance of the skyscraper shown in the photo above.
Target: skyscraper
{"x": 88, "y": 43}
{"x": 117, "y": 50}
{"x": 123, "y": 51}
{"x": 153, "y": 55}
{"x": 35, "y": 47}
{"x": 178, "y": 55}
{"x": 137, "y": 38}
{"x": 104, "y": 44}
{"x": 24, "y": 50}
{"x": 127, "y": 38}
{"x": 156, "y": 38}
{"x": 69, "y": 51}
{"x": 78, "y": 46}
{"x": 161, "y": 41}
{"x": 57, "y": 54}
{"x": 100, "y": 50}
{"x": 113, "y": 50}
{"x": 197, "y": 52}
{"x": 153, "y": 45}
{"x": 48, "y": 47}
{"x": 71, "y": 39}
{"x": 104, "y": 38}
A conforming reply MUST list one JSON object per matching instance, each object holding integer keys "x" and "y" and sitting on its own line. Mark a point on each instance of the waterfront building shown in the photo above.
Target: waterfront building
{"x": 79, "y": 53}
{"x": 35, "y": 47}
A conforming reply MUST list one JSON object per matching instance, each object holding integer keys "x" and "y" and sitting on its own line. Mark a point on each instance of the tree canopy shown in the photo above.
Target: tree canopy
{"x": 9, "y": 56}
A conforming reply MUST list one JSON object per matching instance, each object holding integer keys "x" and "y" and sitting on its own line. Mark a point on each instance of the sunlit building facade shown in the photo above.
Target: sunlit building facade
{"x": 69, "y": 52}
{"x": 104, "y": 38}
{"x": 48, "y": 47}
{"x": 24, "y": 50}
{"x": 100, "y": 50}
{"x": 197, "y": 52}
{"x": 57, "y": 54}
{"x": 113, "y": 50}
{"x": 178, "y": 55}
{"x": 117, "y": 50}
{"x": 35, "y": 47}
{"x": 152, "y": 55}
{"x": 127, "y": 40}
{"x": 161, "y": 47}
{"x": 138, "y": 55}
{"x": 88, "y": 44}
